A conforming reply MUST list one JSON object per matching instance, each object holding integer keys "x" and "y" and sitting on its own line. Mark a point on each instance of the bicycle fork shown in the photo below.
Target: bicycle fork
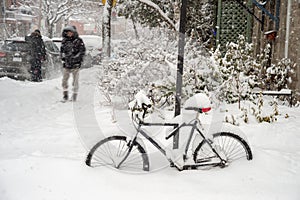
{"x": 206, "y": 162}
{"x": 130, "y": 146}
{"x": 223, "y": 162}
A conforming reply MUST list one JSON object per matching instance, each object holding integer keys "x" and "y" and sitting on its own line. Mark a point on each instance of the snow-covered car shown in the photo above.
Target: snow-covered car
{"x": 93, "y": 44}
{"x": 57, "y": 41}
{"x": 15, "y": 59}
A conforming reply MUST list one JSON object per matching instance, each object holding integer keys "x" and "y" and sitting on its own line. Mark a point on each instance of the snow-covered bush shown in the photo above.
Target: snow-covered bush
{"x": 239, "y": 71}
{"x": 261, "y": 110}
{"x": 264, "y": 113}
{"x": 149, "y": 63}
{"x": 137, "y": 64}
{"x": 264, "y": 58}
{"x": 280, "y": 76}
{"x": 275, "y": 76}
{"x": 200, "y": 74}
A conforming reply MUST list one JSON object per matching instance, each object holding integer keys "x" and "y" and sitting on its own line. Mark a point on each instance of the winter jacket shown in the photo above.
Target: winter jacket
{"x": 37, "y": 48}
{"x": 72, "y": 49}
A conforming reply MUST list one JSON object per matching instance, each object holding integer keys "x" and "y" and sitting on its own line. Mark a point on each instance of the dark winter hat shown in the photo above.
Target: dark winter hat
{"x": 37, "y": 31}
{"x": 69, "y": 28}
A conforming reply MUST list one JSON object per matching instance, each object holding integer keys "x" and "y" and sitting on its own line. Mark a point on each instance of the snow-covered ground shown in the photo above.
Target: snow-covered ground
{"x": 43, "y": 147}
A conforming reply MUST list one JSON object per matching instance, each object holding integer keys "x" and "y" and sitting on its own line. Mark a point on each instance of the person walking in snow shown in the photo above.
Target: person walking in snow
{"x": 37, "y": 53}
{"x": 72, "y": 52}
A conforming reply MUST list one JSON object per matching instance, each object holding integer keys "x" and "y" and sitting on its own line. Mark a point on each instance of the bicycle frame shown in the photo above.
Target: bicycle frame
{"x": 171, "y": 134}
{"x": 193, "y": 123}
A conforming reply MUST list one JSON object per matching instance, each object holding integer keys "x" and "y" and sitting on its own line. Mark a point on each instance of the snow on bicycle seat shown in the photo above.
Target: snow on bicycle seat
{"x": 199, "y": 102}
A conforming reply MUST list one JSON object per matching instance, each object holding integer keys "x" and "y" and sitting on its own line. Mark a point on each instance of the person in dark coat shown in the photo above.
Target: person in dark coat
{"x": 37, "y": 53}
{"x": 72, "y": 53}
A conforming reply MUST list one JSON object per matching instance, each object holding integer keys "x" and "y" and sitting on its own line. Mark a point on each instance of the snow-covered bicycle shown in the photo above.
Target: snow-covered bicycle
{"x": 129, "y": 153}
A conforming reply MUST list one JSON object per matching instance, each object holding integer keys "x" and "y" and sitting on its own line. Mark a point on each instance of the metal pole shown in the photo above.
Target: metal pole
{"x": 181, "y": 44}
{"x": 40, "y": 15}
{"x": 288, "y": 25}
{"x": 219, "y": 22}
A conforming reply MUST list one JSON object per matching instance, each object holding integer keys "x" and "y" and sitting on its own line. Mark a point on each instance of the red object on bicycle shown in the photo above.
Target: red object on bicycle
{"x": 206, "y": 109}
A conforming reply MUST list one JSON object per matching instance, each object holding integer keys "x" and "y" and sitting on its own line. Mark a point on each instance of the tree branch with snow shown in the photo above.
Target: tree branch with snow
{"x": 161, "y": 12}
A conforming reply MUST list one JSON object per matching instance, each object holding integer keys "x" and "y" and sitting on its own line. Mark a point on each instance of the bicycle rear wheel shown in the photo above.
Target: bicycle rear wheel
{"x": 231, "y": 147}
{"x": 112, "y": 150}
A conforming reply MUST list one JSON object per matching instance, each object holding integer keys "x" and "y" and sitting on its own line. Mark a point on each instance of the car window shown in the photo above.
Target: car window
{"x": 15, "y": 46}
{"x": 50, "y": 46}
{"x": 56, "y": 49}
{"x": 57, "y": 44}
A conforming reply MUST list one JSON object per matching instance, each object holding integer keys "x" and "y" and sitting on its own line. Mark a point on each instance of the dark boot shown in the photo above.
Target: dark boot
{"x": 74, "y": 97}
{"x": 65, "y": 96}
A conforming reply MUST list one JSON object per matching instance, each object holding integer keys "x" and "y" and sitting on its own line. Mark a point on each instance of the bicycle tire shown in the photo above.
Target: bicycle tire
{"x": 111, "y": 150}
{"x": 232, "y": 146}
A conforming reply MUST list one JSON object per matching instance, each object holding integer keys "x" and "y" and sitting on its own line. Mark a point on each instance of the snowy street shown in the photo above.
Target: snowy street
{"x": 42, "y": 154}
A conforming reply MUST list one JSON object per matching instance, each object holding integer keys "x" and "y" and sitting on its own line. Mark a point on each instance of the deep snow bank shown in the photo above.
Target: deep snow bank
{"x": 42, "y": 156}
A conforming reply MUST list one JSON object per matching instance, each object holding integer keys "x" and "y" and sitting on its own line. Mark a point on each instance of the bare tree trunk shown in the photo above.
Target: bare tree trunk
{"x": 47, "y": 27}
{"x": 40, "y": 15}
{"x": 50, "y": 31}
{"x": 135, "y": 29}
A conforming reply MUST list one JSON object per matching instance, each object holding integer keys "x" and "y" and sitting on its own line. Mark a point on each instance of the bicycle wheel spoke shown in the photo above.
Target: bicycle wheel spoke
{"x": 114, "y": 151}
{"x": 237, "y": 154}
{"x": 105, "y": 152}
{"x": 121, "y": 147}
{"x": 230, "y": 148}
{"x": 236, "y": 151}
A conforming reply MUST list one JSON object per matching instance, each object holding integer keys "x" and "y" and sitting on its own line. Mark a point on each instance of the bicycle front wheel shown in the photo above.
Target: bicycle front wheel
{"x": 231, "y": 147}
{"x": 114, "y": 150}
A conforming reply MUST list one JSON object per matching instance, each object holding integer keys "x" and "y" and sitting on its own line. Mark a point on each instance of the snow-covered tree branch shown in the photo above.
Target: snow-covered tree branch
{"x": 161, "y": 12}
{"x": 157, "y": 13}
{"x": 55, "y": 10}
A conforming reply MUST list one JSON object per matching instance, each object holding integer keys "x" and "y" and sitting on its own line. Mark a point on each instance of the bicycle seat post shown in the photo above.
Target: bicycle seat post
{"x": 197, "y": 115}
{"x": 198, "y": 121}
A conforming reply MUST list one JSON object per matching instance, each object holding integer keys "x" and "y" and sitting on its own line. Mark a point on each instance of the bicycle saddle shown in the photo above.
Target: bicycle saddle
{"x": 200, "y": 110}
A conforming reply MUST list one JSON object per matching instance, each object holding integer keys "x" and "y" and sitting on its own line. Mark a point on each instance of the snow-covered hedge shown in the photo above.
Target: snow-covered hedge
{"x": 149, "y": 63}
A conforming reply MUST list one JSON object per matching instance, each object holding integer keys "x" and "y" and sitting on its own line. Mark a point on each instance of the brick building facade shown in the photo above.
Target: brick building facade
{"x": 15, "y": 19}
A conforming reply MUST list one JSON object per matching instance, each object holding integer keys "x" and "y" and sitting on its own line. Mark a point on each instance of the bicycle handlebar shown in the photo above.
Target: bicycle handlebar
{"x": 145, "y": 108}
